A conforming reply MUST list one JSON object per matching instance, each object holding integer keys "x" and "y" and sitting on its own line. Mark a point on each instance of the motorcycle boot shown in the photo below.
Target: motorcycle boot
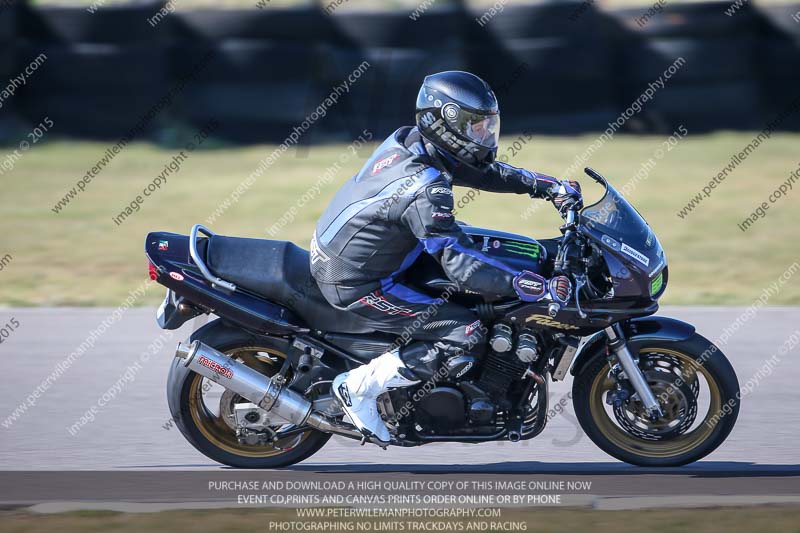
{"x": 358, "y": 391}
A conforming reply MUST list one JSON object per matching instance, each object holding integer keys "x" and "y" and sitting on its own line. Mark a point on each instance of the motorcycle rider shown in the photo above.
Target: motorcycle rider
{"x": 400, "y": 205}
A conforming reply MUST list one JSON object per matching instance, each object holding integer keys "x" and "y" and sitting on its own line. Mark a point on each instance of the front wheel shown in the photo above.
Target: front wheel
{"x": 698, "y": 392}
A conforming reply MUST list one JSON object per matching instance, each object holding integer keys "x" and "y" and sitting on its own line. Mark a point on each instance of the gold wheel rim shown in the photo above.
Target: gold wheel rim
{"x": 214, "y": 428}
{"x": 662, "y": 449}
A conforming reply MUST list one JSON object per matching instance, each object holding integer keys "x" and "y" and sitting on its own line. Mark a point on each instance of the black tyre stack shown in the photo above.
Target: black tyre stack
{"x": 549, "y": 63}
{"x": 717, "y": 87}
{"x": 8, "y": 54}
{"x": 556, "y": 66}
{"x": 779, "y": 61}
{"x": 263, "y": 76}
{"x": 400, "y": 52}
{"x": 104, "y": 70}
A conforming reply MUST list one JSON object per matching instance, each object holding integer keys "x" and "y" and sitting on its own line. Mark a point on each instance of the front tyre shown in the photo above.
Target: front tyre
{"x": 698, "y": 392}
{"x": 203, "y": 410}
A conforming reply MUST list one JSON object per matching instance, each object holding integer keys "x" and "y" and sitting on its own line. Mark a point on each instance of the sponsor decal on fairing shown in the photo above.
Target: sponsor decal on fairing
{"x": 636, "y": 254}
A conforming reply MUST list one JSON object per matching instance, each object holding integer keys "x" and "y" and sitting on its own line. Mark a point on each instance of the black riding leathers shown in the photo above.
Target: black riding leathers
{"x": 397, "y": 207}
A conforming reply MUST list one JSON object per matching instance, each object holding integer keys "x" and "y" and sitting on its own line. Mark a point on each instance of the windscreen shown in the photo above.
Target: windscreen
{"x": 618, "y": 225}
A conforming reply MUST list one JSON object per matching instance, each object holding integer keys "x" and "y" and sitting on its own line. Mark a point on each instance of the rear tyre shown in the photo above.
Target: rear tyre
{"x": 205, "y": 422}
{"x": 698, "y": 392}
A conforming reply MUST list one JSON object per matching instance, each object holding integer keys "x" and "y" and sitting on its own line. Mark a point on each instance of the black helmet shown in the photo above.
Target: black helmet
{"x": 457, "y": 112}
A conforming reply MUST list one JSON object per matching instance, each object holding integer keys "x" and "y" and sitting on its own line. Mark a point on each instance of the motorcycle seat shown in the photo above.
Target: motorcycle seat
{"x": 280, "y": 272}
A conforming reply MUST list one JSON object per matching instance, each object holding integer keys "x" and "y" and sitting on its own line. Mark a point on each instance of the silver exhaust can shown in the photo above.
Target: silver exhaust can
{"x": 246, "y": 382}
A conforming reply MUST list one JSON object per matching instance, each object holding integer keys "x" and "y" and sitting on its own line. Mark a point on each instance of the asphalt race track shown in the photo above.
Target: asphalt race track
{"x": 128, "y": 432}
{"x": 131, "y": 431}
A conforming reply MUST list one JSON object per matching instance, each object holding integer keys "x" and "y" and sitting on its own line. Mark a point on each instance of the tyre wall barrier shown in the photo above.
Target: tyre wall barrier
{"x": 557, "y": 67}
{"x": 713, "y": 56}
{"x": 8, "y": 29}
{"x": 778, "y": 59}
{"x": 103, "y": 72}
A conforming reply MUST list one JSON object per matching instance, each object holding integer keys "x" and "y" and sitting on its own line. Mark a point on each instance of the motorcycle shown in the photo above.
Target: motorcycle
{"x": 252, "y": 388}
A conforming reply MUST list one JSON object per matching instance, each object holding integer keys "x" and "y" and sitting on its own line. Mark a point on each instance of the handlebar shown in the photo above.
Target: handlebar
{"x": 563, "y": 262}
{"x": 571, "y": 216}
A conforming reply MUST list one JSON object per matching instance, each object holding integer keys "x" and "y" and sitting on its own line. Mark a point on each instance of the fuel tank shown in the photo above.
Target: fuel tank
{"x": 517, "y": 251}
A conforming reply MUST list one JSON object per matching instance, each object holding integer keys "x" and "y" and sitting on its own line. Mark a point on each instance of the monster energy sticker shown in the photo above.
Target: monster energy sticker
{"x": 528, "y": 249}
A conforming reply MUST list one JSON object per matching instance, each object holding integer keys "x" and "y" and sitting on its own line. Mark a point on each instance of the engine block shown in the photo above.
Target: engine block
{"x": 499, "y": 371}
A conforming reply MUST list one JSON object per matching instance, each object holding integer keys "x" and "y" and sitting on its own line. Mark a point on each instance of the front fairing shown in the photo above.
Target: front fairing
{"x": 633, "y": 254}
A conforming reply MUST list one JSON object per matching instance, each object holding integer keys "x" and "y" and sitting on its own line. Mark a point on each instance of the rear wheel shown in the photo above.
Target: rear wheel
{"x": 696, "y": 387}
{"x": 204, "y": 411}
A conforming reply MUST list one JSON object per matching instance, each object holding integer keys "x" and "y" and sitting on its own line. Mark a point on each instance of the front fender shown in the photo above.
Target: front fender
{"x": 638, "y": 331}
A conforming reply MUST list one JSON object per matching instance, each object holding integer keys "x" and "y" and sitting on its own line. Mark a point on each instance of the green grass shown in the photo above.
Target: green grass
{"x": 80, "y": 257}
{"x": 755, "y": 519}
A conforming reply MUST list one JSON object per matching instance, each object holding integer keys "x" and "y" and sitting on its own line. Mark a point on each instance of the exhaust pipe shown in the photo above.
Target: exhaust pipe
{"x": 256, "y": 387}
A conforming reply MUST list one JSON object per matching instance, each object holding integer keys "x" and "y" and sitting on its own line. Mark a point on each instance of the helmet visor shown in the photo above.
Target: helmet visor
{"x": 481, "y": 129}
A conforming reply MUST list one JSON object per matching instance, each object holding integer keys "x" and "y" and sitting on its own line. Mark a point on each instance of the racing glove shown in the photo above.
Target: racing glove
{"x": 567, "y": 195}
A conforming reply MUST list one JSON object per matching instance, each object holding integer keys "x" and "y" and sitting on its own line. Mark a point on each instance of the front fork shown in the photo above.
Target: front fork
{"x": 618, "y": 346}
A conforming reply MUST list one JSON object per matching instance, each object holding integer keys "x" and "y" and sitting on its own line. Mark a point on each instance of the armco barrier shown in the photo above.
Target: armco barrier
{"x": 557, "y": 67}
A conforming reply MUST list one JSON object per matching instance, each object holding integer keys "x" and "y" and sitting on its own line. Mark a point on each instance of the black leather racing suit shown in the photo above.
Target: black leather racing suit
{"x": 398, "y": 206}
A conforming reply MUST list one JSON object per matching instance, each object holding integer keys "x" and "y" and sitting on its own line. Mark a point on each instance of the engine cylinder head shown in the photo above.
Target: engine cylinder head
{"x": 528, "y": 347}
{"x": 502, "y": 338}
